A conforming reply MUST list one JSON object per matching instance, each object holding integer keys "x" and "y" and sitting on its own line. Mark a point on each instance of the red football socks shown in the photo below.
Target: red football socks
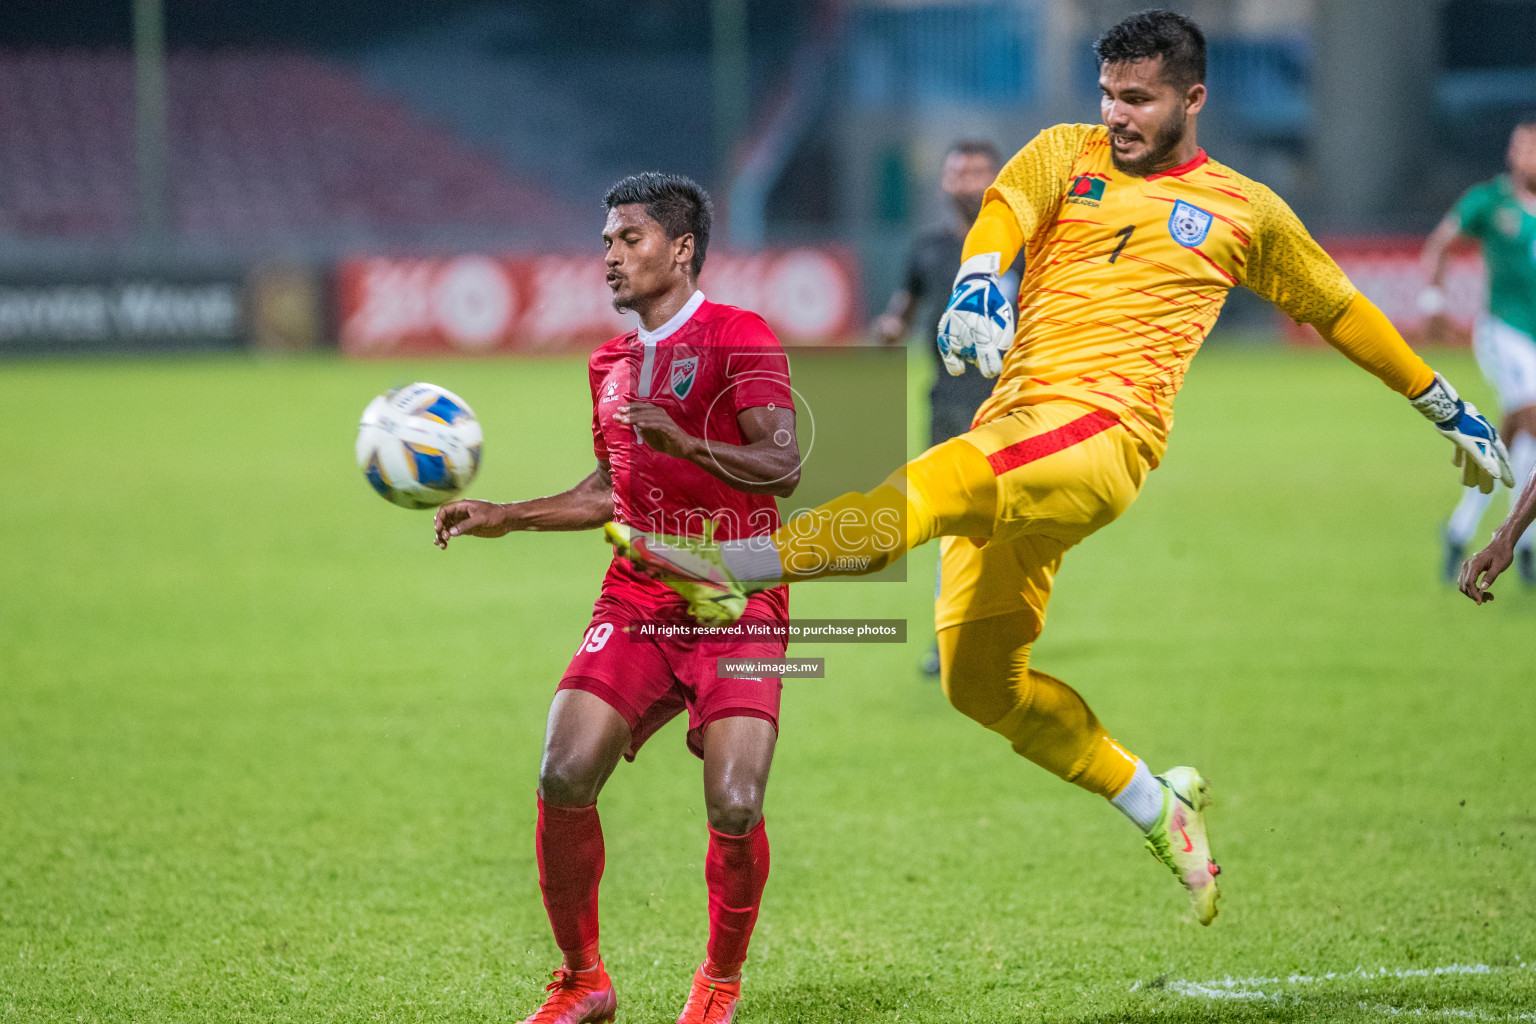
{"x": 735, "y": 870}
{"x": 569, "y": 843}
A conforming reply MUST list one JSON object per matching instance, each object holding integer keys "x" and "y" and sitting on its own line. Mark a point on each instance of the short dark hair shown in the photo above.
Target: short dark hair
{"x": 977, "y": 147}
{"x": 1157, "y": 33}
{"x": 677, "y": 203}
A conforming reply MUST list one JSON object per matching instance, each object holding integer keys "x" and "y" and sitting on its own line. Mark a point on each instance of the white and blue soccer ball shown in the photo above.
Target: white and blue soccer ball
{"x": 419, "y": 445}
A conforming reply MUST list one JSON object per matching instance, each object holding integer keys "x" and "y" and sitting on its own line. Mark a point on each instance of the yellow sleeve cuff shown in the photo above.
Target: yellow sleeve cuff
{"x": 1364, "y": 334}
{"x": 996, "y": 230}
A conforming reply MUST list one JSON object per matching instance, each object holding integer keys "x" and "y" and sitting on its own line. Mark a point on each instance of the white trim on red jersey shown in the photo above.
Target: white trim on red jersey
{"x": 662, "y": 333}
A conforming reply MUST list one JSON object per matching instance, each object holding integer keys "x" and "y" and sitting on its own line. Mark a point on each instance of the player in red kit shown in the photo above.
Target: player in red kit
{"x": 692, "y": 424}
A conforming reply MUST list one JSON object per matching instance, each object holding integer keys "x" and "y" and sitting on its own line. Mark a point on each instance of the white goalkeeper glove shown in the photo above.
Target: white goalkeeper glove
{"x": 977, "y": 325}
{"x": 1483, "y": 459}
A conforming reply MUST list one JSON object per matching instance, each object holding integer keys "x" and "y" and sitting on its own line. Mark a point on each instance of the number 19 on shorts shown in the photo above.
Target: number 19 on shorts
{"x": 596, "y": 638}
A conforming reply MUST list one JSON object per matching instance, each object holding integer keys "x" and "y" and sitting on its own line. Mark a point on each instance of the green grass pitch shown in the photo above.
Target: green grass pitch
{"x": 267, "y": 755}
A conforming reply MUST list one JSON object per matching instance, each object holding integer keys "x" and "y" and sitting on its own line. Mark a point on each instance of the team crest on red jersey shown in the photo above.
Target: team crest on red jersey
{"x": 684, "y": 373}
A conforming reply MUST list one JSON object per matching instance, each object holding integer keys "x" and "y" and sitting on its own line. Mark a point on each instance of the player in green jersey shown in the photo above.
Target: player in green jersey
{"x": 1501, "y": 215}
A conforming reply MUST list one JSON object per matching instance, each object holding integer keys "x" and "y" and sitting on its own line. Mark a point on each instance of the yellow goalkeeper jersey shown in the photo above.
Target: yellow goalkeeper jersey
{"x": 1124, "y": 276}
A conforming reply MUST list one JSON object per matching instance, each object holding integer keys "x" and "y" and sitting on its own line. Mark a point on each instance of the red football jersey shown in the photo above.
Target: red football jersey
{"x": 703, "y": 367}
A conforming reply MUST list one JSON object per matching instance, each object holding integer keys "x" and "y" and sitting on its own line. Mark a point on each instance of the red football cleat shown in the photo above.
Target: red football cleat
{"x": 710, "y": 1001}
{"x": 578, "y": 997}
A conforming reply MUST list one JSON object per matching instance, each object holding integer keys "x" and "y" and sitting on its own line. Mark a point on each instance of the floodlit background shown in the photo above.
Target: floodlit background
{"x": 265, "y": 754}
{"x": 263, "y": 150}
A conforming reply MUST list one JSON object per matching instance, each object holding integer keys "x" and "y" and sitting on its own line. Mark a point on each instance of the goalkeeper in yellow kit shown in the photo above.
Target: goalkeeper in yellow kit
{"x": 1132, "y": 239}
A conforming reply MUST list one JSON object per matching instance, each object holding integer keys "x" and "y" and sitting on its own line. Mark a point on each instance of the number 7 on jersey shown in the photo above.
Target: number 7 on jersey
{"x": 1124, "y": 234}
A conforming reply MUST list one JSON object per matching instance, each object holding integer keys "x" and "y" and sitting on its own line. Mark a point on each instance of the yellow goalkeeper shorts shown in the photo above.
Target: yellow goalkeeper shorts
{"x": 1063, "y": 471}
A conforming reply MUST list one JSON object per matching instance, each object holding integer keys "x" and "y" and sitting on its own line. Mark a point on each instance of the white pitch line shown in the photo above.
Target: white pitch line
{"x": 1251, "y": 988}
{"x": 1190, "y": 988}
{"x": 1366, "y": 973}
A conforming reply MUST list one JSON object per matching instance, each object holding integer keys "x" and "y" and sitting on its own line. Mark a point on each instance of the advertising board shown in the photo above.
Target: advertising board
{"x": 1388, "y": 272}
{"x": 120, "y": 313}
{"x": 482, "y": 304}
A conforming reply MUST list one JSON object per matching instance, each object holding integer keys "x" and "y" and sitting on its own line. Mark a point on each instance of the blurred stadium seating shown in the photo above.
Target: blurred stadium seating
{"x": 265, "y": 146}
{"x": 427, "y": 131}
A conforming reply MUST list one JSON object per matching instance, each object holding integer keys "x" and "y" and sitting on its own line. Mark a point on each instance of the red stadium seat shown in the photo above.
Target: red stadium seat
{"x": 264, "y": 145}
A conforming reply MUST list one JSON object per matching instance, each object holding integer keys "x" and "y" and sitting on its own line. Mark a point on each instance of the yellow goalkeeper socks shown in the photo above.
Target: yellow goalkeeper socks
{"x": 1055, "y": 728}
{"x": 950, "y": 490}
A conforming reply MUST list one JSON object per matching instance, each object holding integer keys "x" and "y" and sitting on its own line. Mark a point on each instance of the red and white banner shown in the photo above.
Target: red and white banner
{"x": 1389, "y": 273}
{"x": 479, "y": 305}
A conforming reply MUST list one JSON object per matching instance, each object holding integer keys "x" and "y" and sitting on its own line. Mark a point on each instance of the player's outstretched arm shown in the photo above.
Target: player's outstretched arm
{"x": 1289, "y": 268}
{"x": 1479, "y": 571}
{"x": 1437, "y": 249}
{"x": 586, "y": 506}
{"x": 1364, "y": 334}
{"x": 769, "y": 463}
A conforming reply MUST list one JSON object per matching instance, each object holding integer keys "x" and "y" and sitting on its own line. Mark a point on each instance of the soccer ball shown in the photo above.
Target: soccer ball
{"x": 419, "y": 445}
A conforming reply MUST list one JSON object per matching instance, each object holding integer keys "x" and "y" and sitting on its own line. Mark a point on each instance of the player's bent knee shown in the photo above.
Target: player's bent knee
{"x": 570, "y": 780}
{"x": 984, "y": 704}
{"x": 735, "y": 814}
{"x": 734, "y": 819}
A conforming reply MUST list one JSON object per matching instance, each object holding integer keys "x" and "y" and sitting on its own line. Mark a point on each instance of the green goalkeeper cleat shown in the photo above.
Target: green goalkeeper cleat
{"x": 1178, "y": 839}
{"x": 692, "y": 566}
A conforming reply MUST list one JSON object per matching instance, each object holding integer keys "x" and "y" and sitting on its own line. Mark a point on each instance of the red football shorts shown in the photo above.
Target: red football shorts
{"x": 649, "y": 681}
